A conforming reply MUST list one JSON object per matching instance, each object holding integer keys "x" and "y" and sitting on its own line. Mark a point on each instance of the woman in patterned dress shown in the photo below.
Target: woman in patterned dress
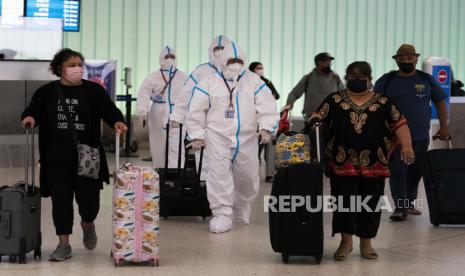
{"x": 362, "y": 129}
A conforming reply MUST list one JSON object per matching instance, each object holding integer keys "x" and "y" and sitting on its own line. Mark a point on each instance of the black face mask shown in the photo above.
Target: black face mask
{"x": 326, "y": 70}
{"x": 406, "y": 67}
{"x": 357, "y": 86}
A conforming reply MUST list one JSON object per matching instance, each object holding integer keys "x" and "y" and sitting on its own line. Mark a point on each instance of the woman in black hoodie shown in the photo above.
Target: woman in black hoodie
{"x": 257, "y": 68}
{"x": 87, "y": 103}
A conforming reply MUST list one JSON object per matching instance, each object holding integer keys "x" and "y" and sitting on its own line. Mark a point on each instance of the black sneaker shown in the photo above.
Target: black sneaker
{"x": 398, "y": 215}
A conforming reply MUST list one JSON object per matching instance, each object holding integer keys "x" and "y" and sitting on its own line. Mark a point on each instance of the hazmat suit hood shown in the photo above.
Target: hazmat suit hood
{"x": 219, "y": 40}
{"x": 165, "y": 63}
{"x": 233, "y": 51}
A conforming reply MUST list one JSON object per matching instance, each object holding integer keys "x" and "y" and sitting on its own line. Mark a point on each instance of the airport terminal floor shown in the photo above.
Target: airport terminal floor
{"x": 412, "y": 247}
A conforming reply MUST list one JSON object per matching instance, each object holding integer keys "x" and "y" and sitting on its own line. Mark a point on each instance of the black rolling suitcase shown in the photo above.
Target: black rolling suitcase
{"x": 444, "y": 178}
{"x": 182, "y": 193}
{"x": 20, "y": 213}
{"x": 299, "y": 233}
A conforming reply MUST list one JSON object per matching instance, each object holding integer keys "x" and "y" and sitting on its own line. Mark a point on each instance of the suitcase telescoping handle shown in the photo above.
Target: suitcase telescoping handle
{"x": 200, "y": 165}
{"x": 117, "y": 145}
{"x": 199, "y": 170}
{"x": 317, "y": 133}
{"x": 29, "y": 160}
{"x": 180, "y": 148}
{"x": 315, "y": 123}
{"x": 167, "y": 146}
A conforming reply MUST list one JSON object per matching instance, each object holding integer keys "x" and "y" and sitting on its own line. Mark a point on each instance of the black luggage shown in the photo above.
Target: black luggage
{"x": 182, "y": 193}
{"x": 20, "y": 213}
{"x": 299, "y": 233}
{"x": 444, "y": 178}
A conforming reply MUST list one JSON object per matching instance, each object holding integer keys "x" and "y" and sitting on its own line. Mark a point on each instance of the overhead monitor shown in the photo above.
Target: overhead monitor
{"x": 68, "y": 10}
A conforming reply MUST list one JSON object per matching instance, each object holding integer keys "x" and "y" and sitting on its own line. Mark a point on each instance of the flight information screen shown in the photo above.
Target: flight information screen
{"x": 69, "y": 10}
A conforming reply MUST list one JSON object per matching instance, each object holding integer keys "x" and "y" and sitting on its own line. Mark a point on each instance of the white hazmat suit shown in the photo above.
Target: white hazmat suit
{"x": 200, "y": 73}
{"x": 228, "y": 122}
{"x": 156, "y": 101}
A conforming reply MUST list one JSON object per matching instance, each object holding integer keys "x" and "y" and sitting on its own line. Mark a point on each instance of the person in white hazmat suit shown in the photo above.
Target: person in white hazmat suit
{"x": 224, "y": 114}
{"x": 200, "y": 73}
{"x": 155, "y": 102}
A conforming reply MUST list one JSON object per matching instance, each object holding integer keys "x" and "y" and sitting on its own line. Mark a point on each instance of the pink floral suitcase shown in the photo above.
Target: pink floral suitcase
{"x": 136, "y": 229}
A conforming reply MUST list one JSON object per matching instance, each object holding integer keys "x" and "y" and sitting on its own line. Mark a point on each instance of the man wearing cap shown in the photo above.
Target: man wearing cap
{"x": 316, "y": 85}
{"x": 412, "y": 91}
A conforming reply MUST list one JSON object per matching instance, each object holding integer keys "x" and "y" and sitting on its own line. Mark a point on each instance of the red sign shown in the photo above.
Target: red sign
{"x": 442, "y": 76}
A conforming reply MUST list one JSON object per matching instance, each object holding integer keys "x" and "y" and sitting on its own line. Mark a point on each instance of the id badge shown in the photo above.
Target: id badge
{"x": 158, "y": 98}
{"x": 229, "y": 114}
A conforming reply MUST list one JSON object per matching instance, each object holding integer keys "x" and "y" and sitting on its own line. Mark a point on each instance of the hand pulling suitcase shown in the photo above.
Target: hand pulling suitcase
{"x": 298, "y": 233}
{"x": 444, "y": 175}
{"x": 136, "y": 220}
{"x": 182, "y": 193}
{"x": 20, "y": 213}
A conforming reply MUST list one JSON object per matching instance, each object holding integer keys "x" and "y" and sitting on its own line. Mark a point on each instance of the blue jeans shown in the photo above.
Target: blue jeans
{"x": 404, "y": 179}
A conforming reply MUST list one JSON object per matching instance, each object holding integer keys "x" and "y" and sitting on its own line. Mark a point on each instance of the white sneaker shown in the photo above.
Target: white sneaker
{"x": 242, "y": 215}
{"x": 220, "y": 224}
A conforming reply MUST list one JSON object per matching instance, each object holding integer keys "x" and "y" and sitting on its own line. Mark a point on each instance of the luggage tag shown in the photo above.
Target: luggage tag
{"x": 229, "y": 113}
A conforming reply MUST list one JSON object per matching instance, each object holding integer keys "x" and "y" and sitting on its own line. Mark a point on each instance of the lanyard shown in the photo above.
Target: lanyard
{"x": 230, "y": 90}
{"x": 213, "y": 66}
{"x": 167, "y": 83}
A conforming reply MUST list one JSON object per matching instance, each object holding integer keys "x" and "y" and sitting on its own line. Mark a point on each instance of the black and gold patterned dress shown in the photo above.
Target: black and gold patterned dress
{"x": 360, "y": 138}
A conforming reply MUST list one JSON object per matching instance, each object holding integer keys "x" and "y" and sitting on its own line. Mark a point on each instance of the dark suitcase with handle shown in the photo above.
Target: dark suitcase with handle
{"x": 299, "y": 233}
{"x": 182, "y": 193}
{"x": 444, "y": 179}
{"x": 20, "y": 213}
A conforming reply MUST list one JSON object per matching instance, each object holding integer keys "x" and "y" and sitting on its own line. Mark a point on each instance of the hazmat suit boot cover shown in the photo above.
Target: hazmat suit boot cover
{"x": 242, "y": 215}
{"x": 220, "y": 224}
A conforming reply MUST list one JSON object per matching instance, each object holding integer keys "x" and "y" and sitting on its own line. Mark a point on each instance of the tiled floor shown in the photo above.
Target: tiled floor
{"x": 413, "y": 247}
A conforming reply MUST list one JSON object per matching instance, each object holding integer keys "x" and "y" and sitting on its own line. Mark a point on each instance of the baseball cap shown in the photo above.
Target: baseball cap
{"x": 323, "y": 57}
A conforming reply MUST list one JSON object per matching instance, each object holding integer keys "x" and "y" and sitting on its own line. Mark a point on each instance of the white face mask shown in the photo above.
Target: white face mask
{"x": 260, "y": 72}
{"x": 234, "y": 69}
{"x": 168, "y": 63}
